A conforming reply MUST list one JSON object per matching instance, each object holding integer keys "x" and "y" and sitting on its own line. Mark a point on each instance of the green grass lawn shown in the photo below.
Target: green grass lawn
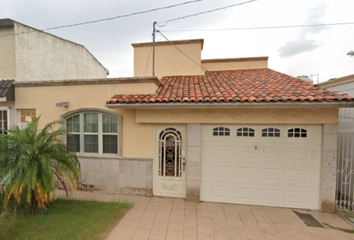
{"x": 65, "y": 219}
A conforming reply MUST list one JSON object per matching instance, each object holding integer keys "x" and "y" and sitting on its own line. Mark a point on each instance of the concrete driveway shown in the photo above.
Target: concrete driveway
{"x": 167, "y": 218}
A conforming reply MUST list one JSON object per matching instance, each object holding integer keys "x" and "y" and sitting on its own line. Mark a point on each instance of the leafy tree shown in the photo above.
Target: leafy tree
{"x": 31, "y": 159}
{"x": 351, "y": 53}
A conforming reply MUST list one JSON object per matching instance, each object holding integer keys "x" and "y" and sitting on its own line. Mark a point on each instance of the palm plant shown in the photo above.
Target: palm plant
{"x": 30, "y": 162}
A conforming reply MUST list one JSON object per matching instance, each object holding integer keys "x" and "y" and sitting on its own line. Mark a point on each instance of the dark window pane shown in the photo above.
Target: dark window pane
{"x": 270, "y": 129}
{"x": 245, "y": 134}
{"x": 290, "y": 135}
{"x": 245, "y": 129}
{"x": 270, "y": 135}
{"x": 73, "y": 123}
{"x": 215, "y": 133}
{"x": 109, "y": 124}
{"x": 297, "y": 134}
{"x": 277, "y": 130}
{"x": 110, "y": 144}
{"x": 239, "y": 134}
{"x": 221, "y": 133}
{"x": 227, "y": 133}
{"x": 221, "y": 129}
{"x": 277, "y": 134}
{"x": 303, "y": 135}
{"x": 73, "y": 141}
{"x": 91, "y": 122}
{"x": 251, "y": 134}
{"x": 91, "y": 143}
{"x": 251, "y": 130}
{"x": 264, "y": 134}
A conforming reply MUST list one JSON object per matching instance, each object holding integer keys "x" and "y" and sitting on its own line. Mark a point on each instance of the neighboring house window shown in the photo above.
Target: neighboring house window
{"x": 297, "y": 133}
{"x": 221, "y": 131}
{"x": 26, "y": 116}
{"x": 93, "y": 132}
{"x": 245, "y": 132}
{"x": 270, "y": 132}
{"x": 4, "y": 120}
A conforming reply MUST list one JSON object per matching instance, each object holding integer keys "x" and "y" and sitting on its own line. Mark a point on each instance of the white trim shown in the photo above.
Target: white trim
{"x": 99, "y": 133}
{"x": 8, "y": 116}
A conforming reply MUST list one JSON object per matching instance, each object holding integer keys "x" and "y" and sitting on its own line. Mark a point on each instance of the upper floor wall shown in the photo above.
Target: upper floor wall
{"x": 235, "y": 63}
{"x": 168, "y": 59}
{"x": 29, "y": 54}
{"x": 7, "y": 50}
{"x": 176, "y": 58}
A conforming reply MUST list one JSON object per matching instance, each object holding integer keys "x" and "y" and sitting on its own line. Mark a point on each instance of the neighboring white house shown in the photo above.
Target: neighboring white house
{"x": 29, "y": 54}
{"x": 345, "y": 163}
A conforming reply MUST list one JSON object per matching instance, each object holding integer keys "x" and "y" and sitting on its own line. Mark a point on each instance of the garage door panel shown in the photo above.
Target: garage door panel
{"x": 271, "y": 153}
{"x": 270, "y": 195}
{"x": 245, "y": 152}
{"x": 290, "y": 176}
{"x": 260, "y": 195}
{"x": 270, "y": 174}
{"x": 221, "y": 151}
{"x": 260, "y": 170}
{"x": 220, "y": 172}
{"x": 244, "y": 194}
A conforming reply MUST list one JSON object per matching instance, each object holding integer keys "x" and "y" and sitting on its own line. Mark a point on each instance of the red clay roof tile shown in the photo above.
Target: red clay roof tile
{"x": 254, "y": 85}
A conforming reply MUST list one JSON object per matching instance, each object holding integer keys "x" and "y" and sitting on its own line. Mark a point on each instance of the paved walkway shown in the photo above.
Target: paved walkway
{"x": 167, "y": 218}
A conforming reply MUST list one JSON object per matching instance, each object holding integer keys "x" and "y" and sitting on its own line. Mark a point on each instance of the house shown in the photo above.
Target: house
{"x": 345, "y": 181}
{"x": 218, "y": 130}
{"x": 29, "y": 54}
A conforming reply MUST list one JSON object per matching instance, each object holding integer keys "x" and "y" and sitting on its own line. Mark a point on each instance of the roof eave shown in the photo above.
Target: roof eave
{"x": 230, "y": 105}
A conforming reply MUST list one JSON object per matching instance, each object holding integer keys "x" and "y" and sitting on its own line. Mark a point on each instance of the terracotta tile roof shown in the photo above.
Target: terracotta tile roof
{"x": 254, "y": 85}
{"x": 5, "y": 86}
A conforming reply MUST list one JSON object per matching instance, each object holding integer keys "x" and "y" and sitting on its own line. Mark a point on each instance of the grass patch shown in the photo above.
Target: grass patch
{"x": 65, "y": 219}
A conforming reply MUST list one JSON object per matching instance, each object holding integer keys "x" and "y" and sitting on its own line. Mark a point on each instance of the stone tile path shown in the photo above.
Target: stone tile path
{"x": 176, "y": 219}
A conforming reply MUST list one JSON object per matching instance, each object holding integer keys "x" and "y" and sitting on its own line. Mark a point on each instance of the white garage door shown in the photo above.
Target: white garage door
{"x": 276, "y": 165}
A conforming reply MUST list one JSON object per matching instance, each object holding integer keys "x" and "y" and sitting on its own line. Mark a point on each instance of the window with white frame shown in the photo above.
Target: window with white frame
{"x": 245, "y": 132}
{"x": 221, "y": 131}
{"x": 93, "y": 132}
{"x": 4, "y": 119}
{"x": 297, "y": 133}
{"x": 270, "y": 132}
{"x": 25, "y": 117}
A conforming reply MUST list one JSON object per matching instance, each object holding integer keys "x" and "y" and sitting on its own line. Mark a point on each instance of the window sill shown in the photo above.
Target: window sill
{"x": 110, "y": 156}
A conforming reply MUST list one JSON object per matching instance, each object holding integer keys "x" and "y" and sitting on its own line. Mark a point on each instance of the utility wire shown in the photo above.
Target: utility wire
{"x": 164, "y": 23}
{"x": 108, "y": 19}
{"x": 257, "y": 28}
{"x": 301, "y": 105}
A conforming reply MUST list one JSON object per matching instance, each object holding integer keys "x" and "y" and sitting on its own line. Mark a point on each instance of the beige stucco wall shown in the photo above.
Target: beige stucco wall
{"x": 42, "y": 56}
{"x": 136, "y": 138}
{"x": 168, "y": 60}
{"x": 243, "y": 116}
{"x": 234, "y": 65}
{"x": 7, "y": 54}
{"x": 139, "y": 88}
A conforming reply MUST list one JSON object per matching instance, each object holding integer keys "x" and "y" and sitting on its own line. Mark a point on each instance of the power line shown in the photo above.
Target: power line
{"x": 108, "y": 19}
{"x": 301, "y": 106}
{"x": 257, "y": 28}
{"x": 200, "y": 13}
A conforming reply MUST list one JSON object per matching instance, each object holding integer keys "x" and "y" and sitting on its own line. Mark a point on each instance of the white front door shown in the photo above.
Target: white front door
{"x": 169, "y": 161}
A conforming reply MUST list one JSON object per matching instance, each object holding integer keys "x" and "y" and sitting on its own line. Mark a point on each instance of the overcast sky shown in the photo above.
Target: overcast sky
{"x": 294, "y": 51}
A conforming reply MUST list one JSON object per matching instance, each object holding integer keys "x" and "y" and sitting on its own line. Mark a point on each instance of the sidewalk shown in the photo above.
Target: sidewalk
{"x": 168, "y": 218}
